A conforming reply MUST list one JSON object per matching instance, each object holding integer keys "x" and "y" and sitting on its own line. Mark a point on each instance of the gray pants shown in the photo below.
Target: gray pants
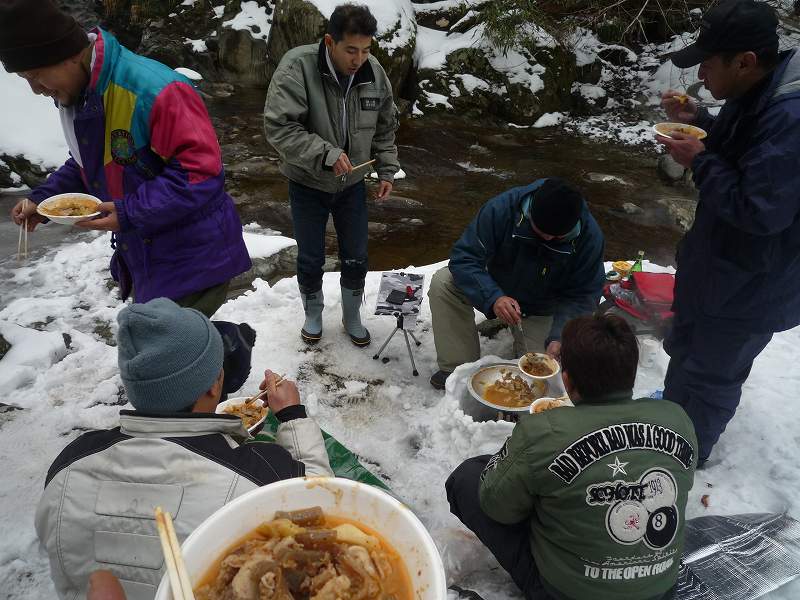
{"x": 455, "y": 333}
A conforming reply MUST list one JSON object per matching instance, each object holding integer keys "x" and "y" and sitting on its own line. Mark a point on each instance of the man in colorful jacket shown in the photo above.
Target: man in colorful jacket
{"x": 587, "y": 502}
{"x": 329, "y": 108}
{"x": 532, "y": 257}
{"x": 141, "y": 140}
{"x": 173, "y": 450}
{"x": 738, "y": 277}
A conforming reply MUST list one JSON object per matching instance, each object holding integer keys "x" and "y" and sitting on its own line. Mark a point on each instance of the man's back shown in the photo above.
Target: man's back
{"x": 605, "y": 487}
{"x": 97, "y": 508}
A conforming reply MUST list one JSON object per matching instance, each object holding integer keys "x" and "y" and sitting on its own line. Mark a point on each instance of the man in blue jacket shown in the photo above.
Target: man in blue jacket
{"x": 738, "y": 278}
{"x": 532, "y": 257}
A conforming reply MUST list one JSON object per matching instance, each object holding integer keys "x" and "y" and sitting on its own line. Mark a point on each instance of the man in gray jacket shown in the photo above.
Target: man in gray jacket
{"x": 172, "y": 451}
{"x": 330, "y": 107}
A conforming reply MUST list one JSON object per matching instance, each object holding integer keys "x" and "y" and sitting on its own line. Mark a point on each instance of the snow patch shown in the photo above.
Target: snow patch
{"x": 252, "y": 18}
{"x": 189, "y": 74}
{"x": 197, "y": 45}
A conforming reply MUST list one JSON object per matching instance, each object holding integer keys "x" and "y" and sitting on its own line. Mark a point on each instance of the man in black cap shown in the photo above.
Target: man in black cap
{"x": 738, "y": 278}
{"x": 532, "y": 257}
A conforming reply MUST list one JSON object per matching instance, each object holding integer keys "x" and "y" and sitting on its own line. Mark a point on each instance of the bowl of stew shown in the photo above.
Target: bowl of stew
{"x": 68, "y": 209}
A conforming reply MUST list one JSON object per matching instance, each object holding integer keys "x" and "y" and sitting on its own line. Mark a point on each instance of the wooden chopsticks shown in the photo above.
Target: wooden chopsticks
{"x": 369, "y": 162}
{"x": 176, "y": 568}
{"x": 279, "y": 380}
{"x": 22, "y": 242}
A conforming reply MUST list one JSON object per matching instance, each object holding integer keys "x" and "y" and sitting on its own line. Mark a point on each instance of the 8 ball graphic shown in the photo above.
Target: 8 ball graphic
{"x": 661, "y": 527}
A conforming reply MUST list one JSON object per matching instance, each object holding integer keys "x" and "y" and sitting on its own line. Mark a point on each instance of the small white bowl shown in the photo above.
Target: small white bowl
{"x": 664, "y": 129}
{"x": 236, "y": 402}
{"x": 552, "y": 362}
{"x": 540, "y": 401}
{"x": 339, "y": 497}
{"x": 66, "y": 220}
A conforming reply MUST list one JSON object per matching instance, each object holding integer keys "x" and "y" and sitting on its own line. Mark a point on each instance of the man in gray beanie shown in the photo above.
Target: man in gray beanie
{"x": 172, "y": 451}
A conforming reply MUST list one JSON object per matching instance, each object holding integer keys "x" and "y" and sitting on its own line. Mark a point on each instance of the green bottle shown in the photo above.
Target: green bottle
{"x": 637, "y": 266}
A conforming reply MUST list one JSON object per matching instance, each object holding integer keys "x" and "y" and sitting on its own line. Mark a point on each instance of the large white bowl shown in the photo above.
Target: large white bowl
{"x": 339, "y": 497}
{"x": 487, "y": 375}
{"x": 67, "y": 220}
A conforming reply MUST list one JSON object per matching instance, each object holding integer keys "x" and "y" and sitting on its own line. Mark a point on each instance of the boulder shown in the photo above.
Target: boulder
{"x": 244, "y": 32}
{"x": 477, "y": 79}
{"x": 669, "y": 169}
{"x": 30, "y": 173}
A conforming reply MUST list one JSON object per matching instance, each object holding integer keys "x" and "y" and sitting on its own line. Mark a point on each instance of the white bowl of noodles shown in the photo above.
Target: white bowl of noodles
{"x": 343, "y": 501}
{"x": 252, "y": 415}
{"x": 68, "y": 209}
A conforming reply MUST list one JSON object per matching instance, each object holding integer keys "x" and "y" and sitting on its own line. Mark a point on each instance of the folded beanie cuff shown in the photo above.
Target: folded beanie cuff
{"x": 176, "y": 391}
{"x": 36, "y": 56}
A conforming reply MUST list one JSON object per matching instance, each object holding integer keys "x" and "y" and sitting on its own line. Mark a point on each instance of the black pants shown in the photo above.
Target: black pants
{"x": 510, "y": 544}
{"x": 706, "y": 371}
{"x": 310, "y": 211}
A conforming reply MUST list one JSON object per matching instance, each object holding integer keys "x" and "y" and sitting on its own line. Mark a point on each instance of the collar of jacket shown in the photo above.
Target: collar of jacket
{"x": 169, "y": 425}
{"x": 783, "y": 81}
{"x": 364, "y": 75}
{"x": 107, "y": 50}
{"x": 612, "y": 398}
{"x": 525, "y": 234}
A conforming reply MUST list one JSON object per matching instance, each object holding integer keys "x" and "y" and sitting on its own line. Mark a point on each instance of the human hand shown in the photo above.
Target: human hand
{"x": 103, "y": 585}
{"x": 110, "y": 222}
{"x": 342, "y": 165}
{"x": 507, "y": 310}
{"x": 279, "y": 396}
{"x": 682, "y": 147}
{"x": 384, "y": 189}
{"x": 679, "y": 110}
{"x": 25, "y": 209}
{"x": 554, "y": 349}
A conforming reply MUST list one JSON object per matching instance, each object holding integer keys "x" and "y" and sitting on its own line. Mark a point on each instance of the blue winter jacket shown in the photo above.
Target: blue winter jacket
{"x": 500, "y": 255}
{"x": 739, "y": 264}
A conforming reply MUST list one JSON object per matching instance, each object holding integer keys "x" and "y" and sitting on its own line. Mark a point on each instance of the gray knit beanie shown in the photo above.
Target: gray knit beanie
{"x": 168, "y": 356}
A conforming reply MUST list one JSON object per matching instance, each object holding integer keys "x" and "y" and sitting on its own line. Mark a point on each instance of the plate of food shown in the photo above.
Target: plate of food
{"x": 252, "y": 415}
{"x": 666, "y": 129}
{"x": 503, "y": 388}
{"x": 545, "y": 403}
{"x": 535, "y": 365}
{"x": 68, "y": 209}
{"x": 319, "y": 537}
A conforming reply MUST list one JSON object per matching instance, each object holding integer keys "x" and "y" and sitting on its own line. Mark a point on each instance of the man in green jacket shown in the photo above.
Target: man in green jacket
{"x": 587, "y": 502}
{"x": 329, "y": 108}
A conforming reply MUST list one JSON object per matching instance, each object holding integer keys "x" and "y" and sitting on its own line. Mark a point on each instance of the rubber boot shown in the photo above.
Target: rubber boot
{"x": 312, "y": 328}
{"x": 351, "y": 317}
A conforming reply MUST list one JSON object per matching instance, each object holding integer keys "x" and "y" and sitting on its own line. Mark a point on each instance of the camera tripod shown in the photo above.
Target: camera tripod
{"x": 406, "y": 333}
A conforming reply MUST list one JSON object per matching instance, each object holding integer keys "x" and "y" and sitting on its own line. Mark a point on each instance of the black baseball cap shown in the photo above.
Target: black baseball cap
{"x": 731, "y": 26}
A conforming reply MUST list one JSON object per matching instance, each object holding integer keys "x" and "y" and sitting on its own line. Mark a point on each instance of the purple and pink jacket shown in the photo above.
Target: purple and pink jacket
{"x": 147, "y": 144}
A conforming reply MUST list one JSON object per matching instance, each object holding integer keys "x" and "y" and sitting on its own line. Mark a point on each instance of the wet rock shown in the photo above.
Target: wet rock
{"x": 242, "y": 57}
{"x": 377, "y": 228}
{"x": 5, "y": 346}
{"x": 30, "y": 173}
{"x": 669, "y": 169}
{"x": 396, "y": 201}
{"x": 270, "y": 268}
{"x": 631, "y": 209}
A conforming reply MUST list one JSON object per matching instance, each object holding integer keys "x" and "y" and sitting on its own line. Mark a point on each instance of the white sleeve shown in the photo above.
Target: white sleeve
{"x": 302, "y": 438}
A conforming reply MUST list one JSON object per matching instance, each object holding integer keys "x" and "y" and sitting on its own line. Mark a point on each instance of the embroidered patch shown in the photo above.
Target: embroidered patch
{"x": 123, "y": 150}
{"x": 639, "y": 511}
{"x": 370, "y": 103}
{"x": 492, "y": 464}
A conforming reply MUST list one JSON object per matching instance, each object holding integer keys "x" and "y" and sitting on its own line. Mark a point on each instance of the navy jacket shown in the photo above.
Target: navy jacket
{"x": 500, "y": 255}
{"x": 739, "y": 264}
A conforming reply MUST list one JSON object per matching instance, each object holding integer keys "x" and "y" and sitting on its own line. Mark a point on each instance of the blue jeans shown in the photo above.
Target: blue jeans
{"x": 310, "y": 210}
{"x": 707, "y": 369}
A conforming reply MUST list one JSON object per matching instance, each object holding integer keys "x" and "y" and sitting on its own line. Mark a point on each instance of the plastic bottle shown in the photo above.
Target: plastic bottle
{"x": 637, "y": 266}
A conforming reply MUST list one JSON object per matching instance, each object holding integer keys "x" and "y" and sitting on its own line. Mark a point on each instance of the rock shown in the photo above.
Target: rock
{"x": 478, "y": 81}
{"x": 440, "y": 16}
{"x": 590, "y": 73}
{"x": 669, "y": 169}
{"x": 631, "y": 209}
{"x": 617, "y": 55}
{"x": 377, "y": 228}
{"x": 396, "y": 201}
{"x": 270, "y": 269}
{"x": 491, "y": 327}
{"x": 6, "y": 176}
{"x": 4, "y": 347}
{"x": 31, "y": 174}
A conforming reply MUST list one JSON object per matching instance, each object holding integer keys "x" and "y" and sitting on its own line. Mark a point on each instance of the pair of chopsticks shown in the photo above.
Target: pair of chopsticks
{"x": 176, "y": 568}
{"x": 22, "y": 242}
{"x": 279, "y": 380}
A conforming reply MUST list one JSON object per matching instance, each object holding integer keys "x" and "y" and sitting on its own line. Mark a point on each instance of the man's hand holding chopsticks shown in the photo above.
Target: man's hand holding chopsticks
{"x": 279, "y": 396}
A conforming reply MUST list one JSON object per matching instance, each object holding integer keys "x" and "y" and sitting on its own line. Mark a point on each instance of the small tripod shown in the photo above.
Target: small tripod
{"x": 406, "y": 333}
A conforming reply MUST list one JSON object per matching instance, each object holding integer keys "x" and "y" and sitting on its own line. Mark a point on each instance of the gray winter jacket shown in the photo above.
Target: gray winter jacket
{"x": 97, "y": 508}
{"x": 303, "y": 120}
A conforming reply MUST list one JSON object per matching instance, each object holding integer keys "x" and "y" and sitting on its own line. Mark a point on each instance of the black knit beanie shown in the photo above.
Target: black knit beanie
{"x": 36, "y": 33}
{"x": 555, "y": 207}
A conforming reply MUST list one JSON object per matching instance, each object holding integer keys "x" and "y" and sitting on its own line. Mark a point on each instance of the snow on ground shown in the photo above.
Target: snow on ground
{"x": 29, "y": 123}
{"x": 407, "y": 433}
